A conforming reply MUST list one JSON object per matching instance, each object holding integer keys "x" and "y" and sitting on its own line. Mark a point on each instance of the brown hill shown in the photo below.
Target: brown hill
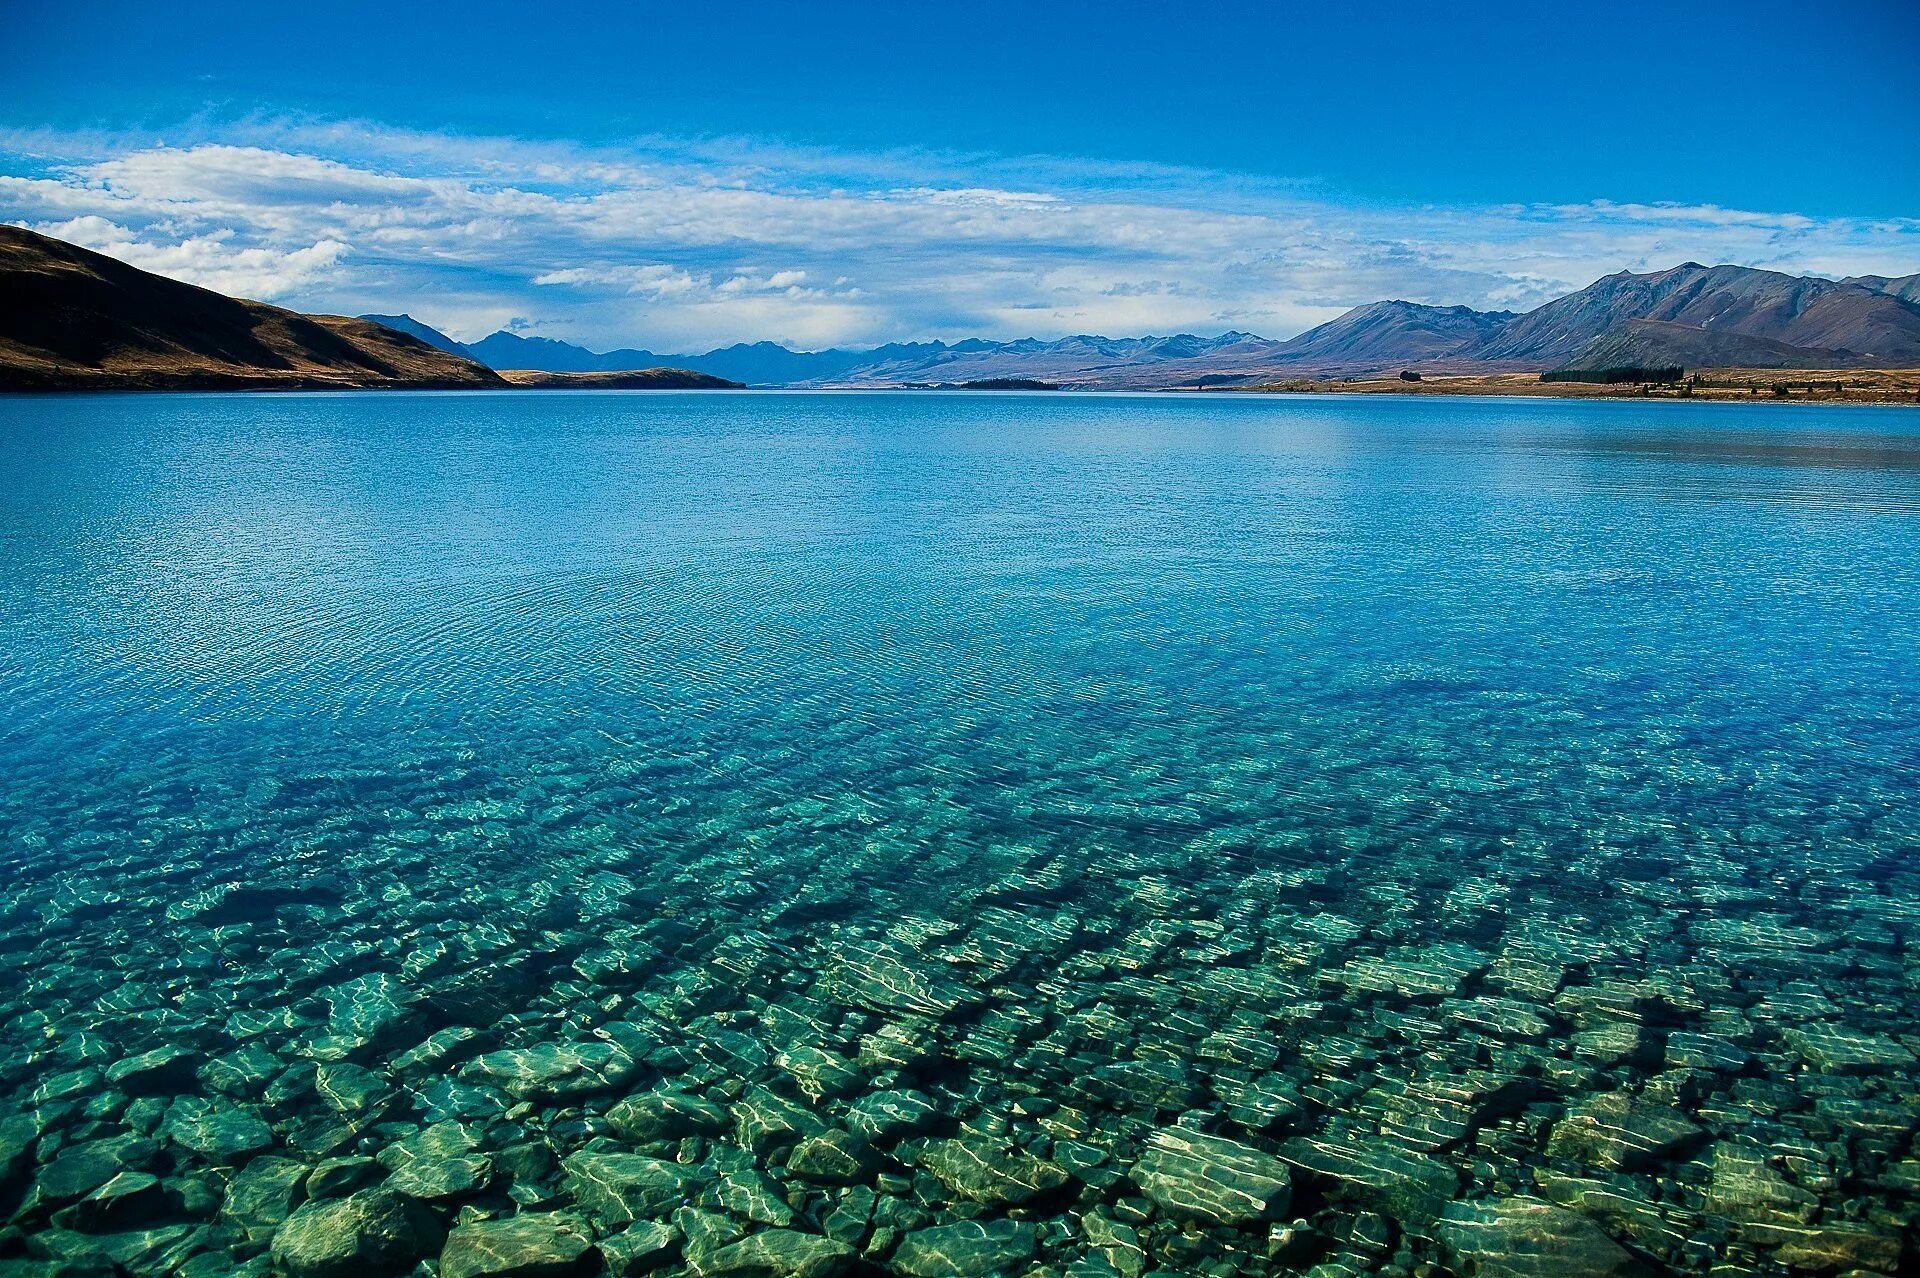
{"x": 1800, "y": 311}
{"x": 1395, "y": 332}
{"x": 1645, "y": 343}
{"x": 71, "y": 319}
{"x": 1904, "y": 287}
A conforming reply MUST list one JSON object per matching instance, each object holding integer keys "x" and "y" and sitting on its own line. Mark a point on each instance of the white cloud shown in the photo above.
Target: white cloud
{"x": 211, "y": 260}
{"x": 671, "y": 244}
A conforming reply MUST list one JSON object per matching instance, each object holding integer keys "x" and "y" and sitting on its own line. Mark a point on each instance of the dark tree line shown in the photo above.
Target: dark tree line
{"x": 1613, "y": 376}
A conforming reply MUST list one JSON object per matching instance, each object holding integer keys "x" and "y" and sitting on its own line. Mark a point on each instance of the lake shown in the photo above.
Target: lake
{"x": 959, "y": 834}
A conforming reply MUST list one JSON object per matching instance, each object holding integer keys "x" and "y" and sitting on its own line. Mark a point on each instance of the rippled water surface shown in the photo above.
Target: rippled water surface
{"x": 957, "y": 834}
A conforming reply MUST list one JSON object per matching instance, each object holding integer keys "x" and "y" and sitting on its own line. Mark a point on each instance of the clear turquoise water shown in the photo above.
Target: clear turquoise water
{"x": 1079, "y": 702}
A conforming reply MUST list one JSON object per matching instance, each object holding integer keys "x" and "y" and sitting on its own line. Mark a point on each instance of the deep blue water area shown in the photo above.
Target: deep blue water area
{"x": 957, "y": 833}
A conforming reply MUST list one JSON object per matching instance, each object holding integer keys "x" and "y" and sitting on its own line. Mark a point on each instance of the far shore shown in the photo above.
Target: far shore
{"x": 1732, "y": 386}
{"x": 1720, "y": 385}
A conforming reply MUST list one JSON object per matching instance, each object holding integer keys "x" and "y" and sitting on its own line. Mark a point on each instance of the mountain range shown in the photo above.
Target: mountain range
{"x": 1690, "y": 315}
{"x": 72, "y": 318}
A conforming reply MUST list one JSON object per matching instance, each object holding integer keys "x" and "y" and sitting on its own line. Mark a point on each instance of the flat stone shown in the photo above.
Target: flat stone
{"x": 368, "y": 1011}
{"x": 337, "y": 1177}
{"x": 640, "y": 1248}
{"x": 555, "y": 1071}
{"x": 881, "y": 978}
{"x": 778, "y": 1253}
{"x": 242, "y": 1073}
{"x": 1831, "y": 1247}
{"x": 1212, "y": 1178}
{"x": 157, "y": 1250}
{"x": 751, "y": 1195}
{"x": 18, "y": 1136}
{"x": 1524, "y": 1237}
{"x": 1413, "y": 1190}
{"x": 529, "y": 1245}
{"x": 666, "y": 1114}
{"x": 1263, "y": 1103}
{"x": 161, "y": 1072}
{"x": 1622, "y": 1133}
{"x": 1617, "y": 1206}
{"x": 892, "y": 1115}
{"x": 833, "y": 1158}
{"x": 1705, "y": 1051}
{"x": 1842, "y": 1051}
{"x": 618, "y": 1189}
{"x": 365, "y": 1234}
{"x": 1154, "y": 1084}
{"x": 1119, "y": 1245}
{"x": 765, "y": 1121}
{"x": 128, "y": 1201}
{"x": 350, "y": 1089}
{"x": 1746, "y": 1191}
{"x": 437, "y": 1050}
{"x": 967, "y": 1249}
{"x": 851, "y": 1217}
{"x": 79, "y": 1170}
{"x": 990, "y": 1171}
{"x": 264, "y": 1193}
{"x": 437, "y": 1178}
{"x": 215, "y": 1130}
{"x": 820, "y": 1074}
{"x": 705, "y": 1232}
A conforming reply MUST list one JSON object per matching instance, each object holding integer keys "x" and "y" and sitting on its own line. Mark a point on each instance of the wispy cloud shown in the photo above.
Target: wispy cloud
{"x": 677, "y": 244}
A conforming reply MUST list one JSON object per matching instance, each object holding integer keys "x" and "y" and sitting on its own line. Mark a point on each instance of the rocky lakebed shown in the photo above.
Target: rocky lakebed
{"x": 381, "y": 1061}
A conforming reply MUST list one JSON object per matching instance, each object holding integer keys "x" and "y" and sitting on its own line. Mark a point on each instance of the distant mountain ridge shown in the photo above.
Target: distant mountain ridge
{"x": 1691, "y": 315}
{"x": 1815, "y": 314}
{"x": 897, "y": 363}
{"x": 1405, "y": 332}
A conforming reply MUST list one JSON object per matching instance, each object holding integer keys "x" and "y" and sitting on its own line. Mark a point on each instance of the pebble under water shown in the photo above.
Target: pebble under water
{"x": 1071, "y": 836}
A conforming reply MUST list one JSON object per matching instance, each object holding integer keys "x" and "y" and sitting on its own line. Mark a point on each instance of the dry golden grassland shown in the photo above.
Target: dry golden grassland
{"x": 1756, "y": 385}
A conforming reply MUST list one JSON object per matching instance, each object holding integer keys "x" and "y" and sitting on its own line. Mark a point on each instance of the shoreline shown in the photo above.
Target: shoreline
{"x": 1892, "y": 387}
{"x": 1885, "y": 388}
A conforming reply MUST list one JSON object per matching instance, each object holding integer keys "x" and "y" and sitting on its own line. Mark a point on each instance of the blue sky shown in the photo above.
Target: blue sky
{"x": 688, "y": 175}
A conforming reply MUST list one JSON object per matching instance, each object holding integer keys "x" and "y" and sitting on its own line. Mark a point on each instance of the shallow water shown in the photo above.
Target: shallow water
{"x": 1497, "y": 819}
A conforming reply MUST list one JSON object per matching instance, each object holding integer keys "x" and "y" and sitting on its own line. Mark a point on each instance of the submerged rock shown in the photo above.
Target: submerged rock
{"x": 448, "y": 1176}
{"x": 128, "y": 1201}
{"x": 666, "y": 1114}
{"x": 778, "y": 1253}
{"x": 640, "y": 1248}
{"x": 892, "y": 1115}
{"x": 884, "y": 979}
{"x": 1212, "y": 1178}
{"x": 1746, "y": 1191}
{"x": 1413, "y": 1190}
{"x": 1523, "y": 1237}
{"x": 529, "y": 1245}
{"x": 967, "y": 1249}
{"x": 834, "y": 1157}
{"x": 990, "y": 1171}
{"x": 162, "y": 1071}
{"x": 264, "y": 1193}
{"x": 214, "y": 1130}
{"x": 1622, "y": 1133}
{"x": 617, "y": 1189}
{"x": 366, "y": 1234}
{"x": 765, "y": 1121}
{"x": 555, "y": 1071}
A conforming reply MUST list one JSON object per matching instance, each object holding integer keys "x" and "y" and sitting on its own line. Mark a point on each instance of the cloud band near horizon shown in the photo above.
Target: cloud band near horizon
{"x": 678, "y": 246}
